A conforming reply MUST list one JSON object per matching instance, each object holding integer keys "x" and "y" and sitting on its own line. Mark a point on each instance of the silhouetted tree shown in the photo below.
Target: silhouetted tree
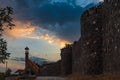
{"x": 8, "y": 72}
{"x": 5, "y": 22}
{"x": 68, "y": 45}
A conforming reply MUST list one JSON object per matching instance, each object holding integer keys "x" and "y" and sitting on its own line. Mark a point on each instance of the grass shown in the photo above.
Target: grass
{"x": 93, "y": 77}
{"x": 2, "y": 76}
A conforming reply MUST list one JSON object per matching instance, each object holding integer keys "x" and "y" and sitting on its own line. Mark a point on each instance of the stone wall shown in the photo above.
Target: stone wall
{"x": 66, "y": 60}
{"x": 111, "y": 35}
{"x": 89, "y": 47}
{"x": 52, "y": 69}
{"x": 98, "y": 49}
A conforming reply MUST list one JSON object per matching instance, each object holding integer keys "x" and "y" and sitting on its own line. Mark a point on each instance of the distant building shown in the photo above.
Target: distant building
{"x": 30, "y": 67}
{"x": 20, "y": 72}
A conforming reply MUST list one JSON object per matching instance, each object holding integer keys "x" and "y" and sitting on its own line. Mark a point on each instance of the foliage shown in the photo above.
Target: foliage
{"x": 68, "y": 45}
{"x": 3, "y": 54}
{"x": 5, "y": 22}
{"x": 2, "y": 76}
{"x": 5, "y": 18}
{"x": 8, "y": 72}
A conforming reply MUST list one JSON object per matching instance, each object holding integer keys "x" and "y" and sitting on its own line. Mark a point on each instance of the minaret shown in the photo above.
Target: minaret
{"x": 26, "y": 58}
{"x": 26, "y": 53}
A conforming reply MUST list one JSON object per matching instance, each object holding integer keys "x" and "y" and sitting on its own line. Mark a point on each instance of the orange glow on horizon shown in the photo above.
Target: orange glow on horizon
{"x": 20, "y": 30}
{"x": 27, "y": 30}
{"x": 51, "y": 40}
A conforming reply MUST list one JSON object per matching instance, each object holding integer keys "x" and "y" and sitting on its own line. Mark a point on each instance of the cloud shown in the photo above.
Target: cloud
{"x": 51, "y": 40}
{"x": 32, "y": 58}
{"x": 20, "y": 30}
{"x": 62, "y": 18}
{"x": 48, "y": 13}
{"x": 30, "y": 31}
{"x": 16, "y": 63}
{"x": 12, "y": 64}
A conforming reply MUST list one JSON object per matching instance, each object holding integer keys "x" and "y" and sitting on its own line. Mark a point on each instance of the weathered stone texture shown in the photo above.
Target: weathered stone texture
{"x": 111, "y": 37}
{"x": 75, "y": 57}
{"x": 52, "y": 69}
{"x": 89, "y": 47}
{"x": 66, "y": 60}
{"x": 98, "y": 49}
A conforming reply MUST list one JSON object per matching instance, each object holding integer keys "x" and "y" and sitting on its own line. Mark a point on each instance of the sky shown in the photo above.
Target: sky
{"x": 45, "y": 26}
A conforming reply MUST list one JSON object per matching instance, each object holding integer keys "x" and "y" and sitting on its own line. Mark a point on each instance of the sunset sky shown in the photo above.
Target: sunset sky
{"x": 45, "y": 26}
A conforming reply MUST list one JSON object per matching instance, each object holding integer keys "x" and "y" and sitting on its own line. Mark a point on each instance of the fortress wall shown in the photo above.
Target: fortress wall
{"x": 91, "y": 41}
{"x": 76, "y": 53}
{"x": 66, "y": 60}
{"x": 52, "y": 69}
{"x": 98, "y": 49}
{"x": 111, "y": 47}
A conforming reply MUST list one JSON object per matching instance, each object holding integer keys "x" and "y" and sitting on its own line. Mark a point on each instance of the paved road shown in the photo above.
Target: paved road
{"x": 49, "y": 78}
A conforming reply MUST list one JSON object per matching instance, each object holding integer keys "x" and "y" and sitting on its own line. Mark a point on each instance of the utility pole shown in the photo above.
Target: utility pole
{"x": 6, "y": 66}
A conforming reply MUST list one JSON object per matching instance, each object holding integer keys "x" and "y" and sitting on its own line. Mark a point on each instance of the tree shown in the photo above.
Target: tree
{"x": 5, "y": 22}
{"x": 2, "y": 76}
{"x": 68, "y": 45}
{"x": 3, "y": 54}
{"x": 8, "y": 72}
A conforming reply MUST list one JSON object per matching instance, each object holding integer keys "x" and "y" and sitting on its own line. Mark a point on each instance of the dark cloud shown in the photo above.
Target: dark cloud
{"x": 30, "y": 3}
{"x": 69, "y": 31}
{"x": 61, "y": 18}
{"x": 48, "y": 13}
